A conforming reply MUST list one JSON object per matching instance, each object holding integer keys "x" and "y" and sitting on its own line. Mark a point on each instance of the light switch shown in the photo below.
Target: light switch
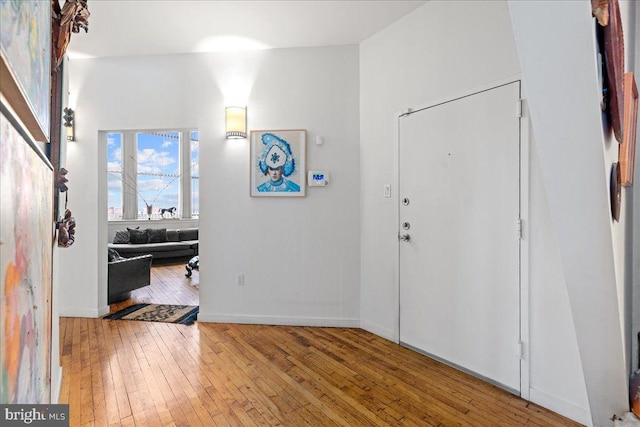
{"x": 387, "y": 190}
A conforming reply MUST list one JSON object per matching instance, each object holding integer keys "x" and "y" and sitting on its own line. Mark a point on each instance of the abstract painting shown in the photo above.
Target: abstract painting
{"x": 25, "y": 63}
{"x": 278, "y": 163}
{"x": 26, "y": 236}
{"x": 627, "y": 150}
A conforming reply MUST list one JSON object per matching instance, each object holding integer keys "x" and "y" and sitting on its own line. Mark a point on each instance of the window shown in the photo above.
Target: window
{"x": 152, "y": 174}
{"x": 158, "y": 172}
{"x": 114, "y": 175}
{"x": 195, "y": 176}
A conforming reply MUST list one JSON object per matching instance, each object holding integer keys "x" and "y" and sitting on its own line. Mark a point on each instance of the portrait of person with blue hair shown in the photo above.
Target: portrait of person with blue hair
{"x": 277, "y": 162}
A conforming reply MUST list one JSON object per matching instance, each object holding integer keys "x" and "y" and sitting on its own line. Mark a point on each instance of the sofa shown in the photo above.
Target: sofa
{"x": 126, "y": 275}
{"x": 162, "y": 243}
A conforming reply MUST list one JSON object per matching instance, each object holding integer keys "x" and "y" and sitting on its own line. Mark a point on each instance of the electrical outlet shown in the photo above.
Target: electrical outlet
{"x": 240, "y": 279}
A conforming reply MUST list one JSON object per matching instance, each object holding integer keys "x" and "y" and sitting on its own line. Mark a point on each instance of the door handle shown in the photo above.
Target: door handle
{"x": 404, "y": 237}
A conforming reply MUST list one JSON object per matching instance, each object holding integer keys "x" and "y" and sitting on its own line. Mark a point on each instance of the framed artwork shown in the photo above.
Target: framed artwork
{"x": 25, "y": 62}
{"x": 627, "y": 151}
{"x": 616, "y": 192}
{"x": 614, "y": 65}
{"x": 27, "y": 233}
{"x": 278, "y": 163}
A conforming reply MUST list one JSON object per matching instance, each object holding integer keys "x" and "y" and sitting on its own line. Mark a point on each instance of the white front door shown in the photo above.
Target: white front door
{"x": 459, "y": 189}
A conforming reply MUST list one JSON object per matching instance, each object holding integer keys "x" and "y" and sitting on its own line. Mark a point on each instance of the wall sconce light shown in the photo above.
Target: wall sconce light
{"x": 69, "y": 118}
{"x": 236, "y": 122}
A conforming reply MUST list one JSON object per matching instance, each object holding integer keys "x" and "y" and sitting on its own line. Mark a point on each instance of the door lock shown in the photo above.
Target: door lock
{"x": 404, "y": 237}
{"x": 405, "y": 201}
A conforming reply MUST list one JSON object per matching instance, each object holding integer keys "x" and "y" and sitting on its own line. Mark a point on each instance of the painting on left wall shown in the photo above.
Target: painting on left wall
{"x": 25, "y": 62}
{"x": 26, "y": 235}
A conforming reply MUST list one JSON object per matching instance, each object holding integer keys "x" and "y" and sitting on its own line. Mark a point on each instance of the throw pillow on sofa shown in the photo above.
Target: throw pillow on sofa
{"x": 122, "y": 236}
{"x": 172, "y": 236}
{"x": 138, "y": 237}
{"x": 157, "y": 235}
{"x": 188, "y": 234}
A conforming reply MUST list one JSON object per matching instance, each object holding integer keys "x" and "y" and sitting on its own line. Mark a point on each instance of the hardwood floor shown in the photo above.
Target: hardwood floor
{"x": 118, "y": 372}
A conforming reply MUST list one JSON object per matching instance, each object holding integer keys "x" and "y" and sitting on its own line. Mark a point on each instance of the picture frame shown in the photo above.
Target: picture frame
{"x": 614, "y": 65}
{"x": 25, "y": 63}
{"x": 615, "y": 191}
{"x": 278, "y": 163}
{"x": 26, "y": 204}
{"x": 627, "y": 150}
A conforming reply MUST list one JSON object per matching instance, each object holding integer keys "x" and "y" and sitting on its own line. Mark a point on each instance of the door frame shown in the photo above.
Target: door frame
{"x": 525, "y": 132}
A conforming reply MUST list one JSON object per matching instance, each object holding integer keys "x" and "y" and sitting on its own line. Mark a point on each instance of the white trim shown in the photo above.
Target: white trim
{"x": 279, "y": 320}
{"x": 567, "y": 409}
{"x": 83, "y": 312}
{"x": 464, "y": 93}
{"x": 381, "y": 331}
{"x": 129, "y": 164}
{"x": 396, "y": 217}
{"x": 184, "y": 195}
{"x": 525, "y": 159}
{"x": 168, "y": 222}
{"x": 57, "y": 385}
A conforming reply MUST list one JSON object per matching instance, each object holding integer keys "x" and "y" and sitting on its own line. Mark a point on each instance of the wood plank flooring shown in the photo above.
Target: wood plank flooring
{"x": 127, "y": 373}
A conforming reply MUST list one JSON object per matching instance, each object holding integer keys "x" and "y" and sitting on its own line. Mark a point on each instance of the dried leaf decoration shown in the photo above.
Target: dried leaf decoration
{"x": 73, "y": 16}
{"x": 614, "y": 63}
{"x": 61, "y": 180}
{"x": 600, "y": 9}
{"x": 66, "y": 230}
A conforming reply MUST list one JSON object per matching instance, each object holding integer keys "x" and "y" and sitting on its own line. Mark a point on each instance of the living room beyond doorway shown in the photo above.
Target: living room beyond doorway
{"x": 169, "y": 285}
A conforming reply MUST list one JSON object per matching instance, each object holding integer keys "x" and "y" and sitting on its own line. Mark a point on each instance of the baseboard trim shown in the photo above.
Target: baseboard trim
{"x": 378, "y": 330}
{"x": 280, "y": 321}
{"x": 56, "y": 387}
{"x": 555, "y": 404}
{"x": 82, "y": 312}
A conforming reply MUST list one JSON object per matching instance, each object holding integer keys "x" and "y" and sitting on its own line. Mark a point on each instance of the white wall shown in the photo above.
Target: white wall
{"x": 440, "y": 50}
{"x": 56, "y": 368}
{"x": 575, "y": 157}
{"x": 556, "y": 379}
{"x": 623, "y": 229}
{"x": 300, "y": 256}
{"x": 634, "y": 202}
{"x": 630, "y": 12}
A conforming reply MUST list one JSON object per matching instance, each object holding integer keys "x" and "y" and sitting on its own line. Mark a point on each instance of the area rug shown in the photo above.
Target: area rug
{"x": 182, "y": 314}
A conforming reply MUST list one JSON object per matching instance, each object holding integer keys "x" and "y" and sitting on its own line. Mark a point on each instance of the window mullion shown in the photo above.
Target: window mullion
{"x": 129, "y": 168}
{"x": 185, "y": 173}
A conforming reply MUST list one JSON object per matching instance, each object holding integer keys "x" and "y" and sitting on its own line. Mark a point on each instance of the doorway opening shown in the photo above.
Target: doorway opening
{"x": 152, "y": 197}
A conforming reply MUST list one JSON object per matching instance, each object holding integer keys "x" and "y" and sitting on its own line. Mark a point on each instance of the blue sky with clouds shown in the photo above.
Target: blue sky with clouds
{"x": 158, "y": 170}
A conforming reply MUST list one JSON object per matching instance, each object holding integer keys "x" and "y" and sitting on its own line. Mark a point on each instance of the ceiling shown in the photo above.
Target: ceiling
{"x": 157, "y": 27}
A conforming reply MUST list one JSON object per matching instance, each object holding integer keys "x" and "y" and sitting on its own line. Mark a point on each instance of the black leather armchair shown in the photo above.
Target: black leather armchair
{"x": 128, "y": 274}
